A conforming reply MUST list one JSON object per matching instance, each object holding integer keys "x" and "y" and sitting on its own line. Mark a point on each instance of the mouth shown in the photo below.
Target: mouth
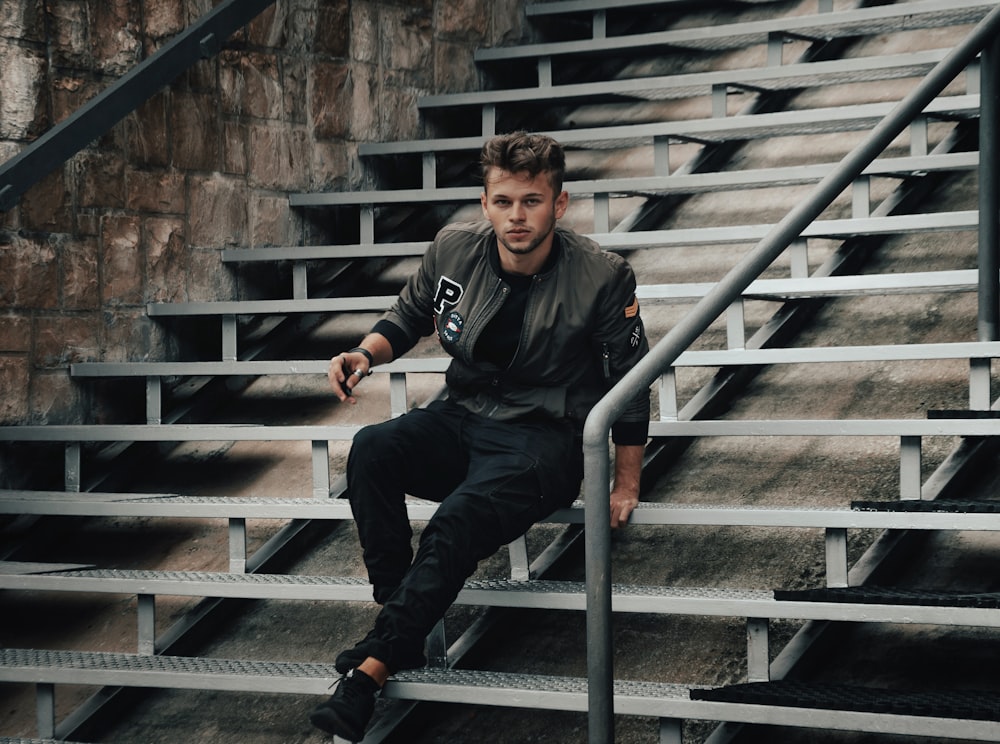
{"x": 518, "y": 234}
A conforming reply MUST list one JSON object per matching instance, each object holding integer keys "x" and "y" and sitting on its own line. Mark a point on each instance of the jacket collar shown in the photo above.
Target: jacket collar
{"x": 493, "y": 256}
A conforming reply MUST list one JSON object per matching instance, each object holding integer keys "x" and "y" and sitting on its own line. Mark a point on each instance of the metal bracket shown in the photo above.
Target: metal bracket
{"x": 519, "y": 565}
{"x": 758, "y": 655}
{"x": 836, "y": 557}
{"x": 146, "y": 618}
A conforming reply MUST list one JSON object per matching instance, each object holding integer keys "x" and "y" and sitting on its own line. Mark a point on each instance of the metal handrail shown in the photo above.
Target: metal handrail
{"x": 595, "y": 438}
{"x": 200, "y": 40}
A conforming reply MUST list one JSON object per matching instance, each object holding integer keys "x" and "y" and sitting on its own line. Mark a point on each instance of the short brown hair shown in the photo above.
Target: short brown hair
{"x": 520, "y": 152}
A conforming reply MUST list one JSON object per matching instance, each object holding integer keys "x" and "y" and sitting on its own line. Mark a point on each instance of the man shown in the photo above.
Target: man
{"x": 540, "y": 324}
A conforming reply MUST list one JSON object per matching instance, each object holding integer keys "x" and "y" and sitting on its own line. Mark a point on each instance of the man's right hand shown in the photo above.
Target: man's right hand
{"x": 345, "y": 372}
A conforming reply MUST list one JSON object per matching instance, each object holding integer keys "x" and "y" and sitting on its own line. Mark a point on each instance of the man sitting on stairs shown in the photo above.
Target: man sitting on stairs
{"x": 540, "y": 323}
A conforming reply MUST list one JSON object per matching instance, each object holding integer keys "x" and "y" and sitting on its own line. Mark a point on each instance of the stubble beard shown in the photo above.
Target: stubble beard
{"x": 530, "y": 247}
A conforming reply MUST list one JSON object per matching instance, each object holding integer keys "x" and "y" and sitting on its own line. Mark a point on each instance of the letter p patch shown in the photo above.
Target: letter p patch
{"x": 449, "y": 292}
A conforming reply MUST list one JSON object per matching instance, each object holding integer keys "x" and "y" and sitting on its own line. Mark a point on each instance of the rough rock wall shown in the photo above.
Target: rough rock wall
{"x": 206, "y": 163}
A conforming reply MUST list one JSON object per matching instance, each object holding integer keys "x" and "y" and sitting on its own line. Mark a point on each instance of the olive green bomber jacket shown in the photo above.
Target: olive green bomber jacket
{"x": 581, "y": 333}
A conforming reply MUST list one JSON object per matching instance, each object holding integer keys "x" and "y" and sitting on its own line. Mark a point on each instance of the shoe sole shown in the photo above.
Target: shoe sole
{"x": 326, "y": 719}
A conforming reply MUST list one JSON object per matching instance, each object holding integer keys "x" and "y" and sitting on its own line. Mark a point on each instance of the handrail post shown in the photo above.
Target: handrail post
{"x": 989, "y": 194}
{"x": 596, "y": 489}
{"x": 597, "y": 558}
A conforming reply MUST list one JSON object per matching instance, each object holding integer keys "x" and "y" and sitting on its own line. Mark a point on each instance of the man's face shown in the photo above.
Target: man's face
{"x": 523, "y": 210}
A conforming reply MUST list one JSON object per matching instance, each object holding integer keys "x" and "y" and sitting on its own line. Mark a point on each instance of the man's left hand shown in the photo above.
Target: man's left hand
{"x": 623, "y": 501}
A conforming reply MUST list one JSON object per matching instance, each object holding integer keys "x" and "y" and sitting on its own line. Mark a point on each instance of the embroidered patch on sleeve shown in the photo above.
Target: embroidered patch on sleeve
{"x": 633, "y": 308}
{"x": 635, "y": 337}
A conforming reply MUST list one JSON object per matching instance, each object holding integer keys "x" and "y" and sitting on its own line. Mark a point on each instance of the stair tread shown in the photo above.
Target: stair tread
{"x": 312, "y": 677}
{"x": 706, "y": 357}
{"x": 949, "y": 703}
{"x": 540, "y": 683}
{"x": 806, "y": 121}
{"x": 933, "y": 607}
{"x": 884, "y": 515}
{"x": 958, "y": 280}
{"x": 749, "y": 233}
{"x": 859, "y": 594}
{"x": 689, "y": 183}
{"x": 950, "y": 506}
{"x": 107, "y": 661}
{"x": 892, "y": 596}
{"x": 683, "y": 85}
{"x": 866, "y": 21}
{"x": 565, "y": 7}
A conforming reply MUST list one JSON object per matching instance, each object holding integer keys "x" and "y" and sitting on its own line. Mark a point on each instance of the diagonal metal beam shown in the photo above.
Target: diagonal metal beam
{"x": 201, "y": 40}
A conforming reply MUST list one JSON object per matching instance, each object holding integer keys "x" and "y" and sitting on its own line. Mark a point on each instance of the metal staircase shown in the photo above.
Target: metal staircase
{"x": 719, "y": 394}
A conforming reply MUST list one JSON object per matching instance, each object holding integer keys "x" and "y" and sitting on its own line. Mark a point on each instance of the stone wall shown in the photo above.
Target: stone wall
{"x": 139, "y": 215}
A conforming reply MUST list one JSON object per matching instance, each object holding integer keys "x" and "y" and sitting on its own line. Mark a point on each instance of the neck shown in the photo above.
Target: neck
{"x": 524, "y": 264}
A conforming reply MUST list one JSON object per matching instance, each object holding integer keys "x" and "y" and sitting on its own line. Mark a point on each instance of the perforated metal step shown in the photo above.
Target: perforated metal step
{"x": 854, "y": 604}
{"x": 891, "y": 596}
{"x": 960, "y": 704}
{"x": 949, "y": 506}
{"x": 455, "y": 686}
{"x": 545, "y": 691}
{"x": 138, "y": 670}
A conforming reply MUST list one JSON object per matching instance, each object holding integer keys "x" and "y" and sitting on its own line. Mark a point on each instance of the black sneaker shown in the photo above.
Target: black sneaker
{"x": 350, "y": 707}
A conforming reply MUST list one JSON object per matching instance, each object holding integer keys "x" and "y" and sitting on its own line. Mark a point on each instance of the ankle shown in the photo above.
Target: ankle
{"x": 375, "y": 669}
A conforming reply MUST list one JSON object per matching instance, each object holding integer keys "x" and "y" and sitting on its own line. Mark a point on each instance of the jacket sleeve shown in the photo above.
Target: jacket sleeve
{"x": 411, "y": 316}
{"x": 622, "y": 342}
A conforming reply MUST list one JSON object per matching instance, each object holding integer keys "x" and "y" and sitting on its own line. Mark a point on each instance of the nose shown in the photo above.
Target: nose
{"x": 517, "y": 212}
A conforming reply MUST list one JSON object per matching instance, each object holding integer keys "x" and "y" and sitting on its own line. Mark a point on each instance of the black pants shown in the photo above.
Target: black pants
{"x": 493, "y": 479}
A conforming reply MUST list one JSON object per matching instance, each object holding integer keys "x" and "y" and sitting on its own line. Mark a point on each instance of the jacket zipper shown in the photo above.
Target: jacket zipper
{"x": 471, "y": 335}
{"x": 526, "y": 323}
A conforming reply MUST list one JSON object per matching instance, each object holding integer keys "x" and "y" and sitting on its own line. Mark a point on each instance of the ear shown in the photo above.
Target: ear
{"x": 482, "y": 202}
{"x": 562, "y": 203}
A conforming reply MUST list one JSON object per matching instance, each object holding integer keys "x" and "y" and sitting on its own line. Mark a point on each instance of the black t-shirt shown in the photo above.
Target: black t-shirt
{"x": 499, "y": 340}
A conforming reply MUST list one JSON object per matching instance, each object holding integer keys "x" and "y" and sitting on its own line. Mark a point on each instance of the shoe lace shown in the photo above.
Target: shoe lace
{"x": 355, "y": 689}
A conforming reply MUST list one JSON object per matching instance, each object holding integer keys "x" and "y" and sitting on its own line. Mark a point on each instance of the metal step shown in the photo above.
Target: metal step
{"x": 938, "y": 506}
{"x": 250, "y": 368}
{"x": 715, "y": 129}
{"x": 182, "y": 672}
{"x": 696, "y": 84}
{"x": 707, "y": 358}
{"x": 961, "y": 704}
{"x": 642, "y": 239}
{"x": 568, "y": 7}
{"x": 688, "y": 183}
{"x": 918, "y": 515}
{"x": 653, "y": 699}
{"x": 178, "y": 672}
{"x": 863, "y": 22}
{"x": 859, "y": 604}
{"x": 320, "y": 433}
{"x": 891, "y": 596}
{"x": 958, "y": 280}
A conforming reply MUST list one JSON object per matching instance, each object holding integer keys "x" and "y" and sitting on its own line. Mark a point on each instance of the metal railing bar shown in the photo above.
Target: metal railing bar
{"x": 596, "y": 431}
{"x": 989, "y": 194}
{"x": 199, "y": 41}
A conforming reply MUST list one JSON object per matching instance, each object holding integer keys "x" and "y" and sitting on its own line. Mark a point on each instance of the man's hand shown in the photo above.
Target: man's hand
{"x": 623, "y": 501}
{"x": 345, "y": 372}
{"x": 625, "y": 493}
